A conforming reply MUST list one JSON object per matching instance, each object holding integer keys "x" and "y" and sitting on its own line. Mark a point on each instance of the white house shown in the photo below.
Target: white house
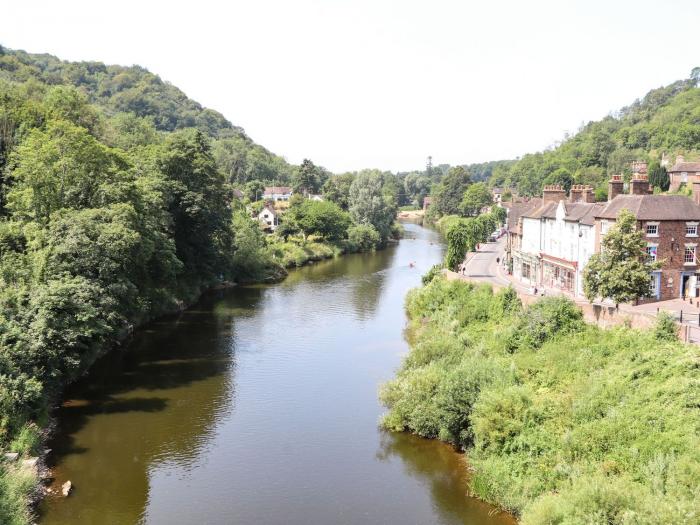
{"x": 558, "y": 239}
{"x": 316, "y": 197}
{"x": 269, "y": 218}
{"x": 277, "y": 193}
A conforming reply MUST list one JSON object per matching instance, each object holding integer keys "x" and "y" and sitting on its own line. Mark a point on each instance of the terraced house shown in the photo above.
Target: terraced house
{"x": 553, "y": 243}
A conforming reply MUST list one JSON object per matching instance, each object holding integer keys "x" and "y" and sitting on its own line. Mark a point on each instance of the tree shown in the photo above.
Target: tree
{"x": 695, "y": 76}
{"x": 254, "y": 190}
{"x": 477, "y": 196}
{"x": 322, "y": 218}
{"x": 622, "y": 270}
{"x": 62, "y": 167}
{"x": 658, "y": 176}
{"x": 448, "y": 196}
{"x": 337, "y": 189}
{"x": 369, "y": 205}
{"x": 307, "y": 178}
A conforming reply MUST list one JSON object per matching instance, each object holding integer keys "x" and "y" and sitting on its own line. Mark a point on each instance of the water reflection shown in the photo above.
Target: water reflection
{"x": 444, "y": 472}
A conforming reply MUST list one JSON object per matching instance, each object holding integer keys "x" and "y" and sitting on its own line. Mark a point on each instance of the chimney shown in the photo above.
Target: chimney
{"x": 575, "y": 193}
{"x": 696, "y": 192}
{"x": 587, "y": 194}
{"x": 615, "y": 187}
{"x": 553, "y": 193}
{"x": 680, "y": 159}
{"x": 639, "y": 167}
{"x": 639, "y": 185}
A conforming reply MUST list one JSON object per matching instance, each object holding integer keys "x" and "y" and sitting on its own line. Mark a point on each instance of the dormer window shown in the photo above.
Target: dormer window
{"x": 652, "y": 229}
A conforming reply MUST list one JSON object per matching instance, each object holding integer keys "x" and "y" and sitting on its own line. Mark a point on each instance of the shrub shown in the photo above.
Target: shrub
{"x": 363, "y": 238}
{"x": 666, "y": 328}
{"x": 432, "y": 273}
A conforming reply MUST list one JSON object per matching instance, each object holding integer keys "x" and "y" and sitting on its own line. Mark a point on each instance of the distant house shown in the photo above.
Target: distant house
{"x": 497, "y": 195}
{"x": 683, "y": 172}
{"x": 277, "y": 193}
{"x": 316, "y": 197}
{"x": 427, "y": 201}
{"x": 269, "y": 217}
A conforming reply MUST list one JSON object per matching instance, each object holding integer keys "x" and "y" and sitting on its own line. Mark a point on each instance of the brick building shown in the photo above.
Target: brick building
{"x": 670, "y": 225}
{"x": 683, "y": 172}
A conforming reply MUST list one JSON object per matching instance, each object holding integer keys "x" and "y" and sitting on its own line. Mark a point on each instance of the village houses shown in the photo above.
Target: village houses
{"x": 551, "y": 241}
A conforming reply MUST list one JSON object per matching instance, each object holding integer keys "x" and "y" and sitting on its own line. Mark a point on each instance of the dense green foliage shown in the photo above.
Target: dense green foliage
{"x": 463, "y": 235}
{"x": 564, "y": 423}
{"x": 621, "y": 270}
{"x": 665, "y": 121}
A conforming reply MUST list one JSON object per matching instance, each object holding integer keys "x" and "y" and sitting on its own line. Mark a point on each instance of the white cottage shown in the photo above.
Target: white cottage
{"x": 269, "y": 218}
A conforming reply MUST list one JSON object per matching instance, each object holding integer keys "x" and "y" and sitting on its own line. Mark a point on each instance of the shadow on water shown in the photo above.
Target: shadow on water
{"x": 157, "y": 398}
{"x": 445, "y": 473}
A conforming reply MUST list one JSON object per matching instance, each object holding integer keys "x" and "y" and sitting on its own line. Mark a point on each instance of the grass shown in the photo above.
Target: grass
{"x": 16, "y": 485}
{"x": 297, "y": 252}
{"x": 564, "y": 423}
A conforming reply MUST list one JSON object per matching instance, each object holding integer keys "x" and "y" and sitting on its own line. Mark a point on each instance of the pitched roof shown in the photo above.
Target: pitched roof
{"x": 518, "y": 209}
{"x": 269, "y": 190}
{"x": 653, "y": 208}
{"x": 583, "y": 212}
{"x": 685, "y": 166}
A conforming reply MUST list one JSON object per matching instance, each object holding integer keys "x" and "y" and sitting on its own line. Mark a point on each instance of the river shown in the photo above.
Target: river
{"x": 259, "y": 406}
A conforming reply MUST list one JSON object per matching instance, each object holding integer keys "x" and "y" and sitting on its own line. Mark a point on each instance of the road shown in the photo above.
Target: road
{"x": 481, "y": 265}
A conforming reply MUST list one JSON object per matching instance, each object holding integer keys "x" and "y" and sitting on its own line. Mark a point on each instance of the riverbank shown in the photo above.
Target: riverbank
{"x": 563, "y": 422}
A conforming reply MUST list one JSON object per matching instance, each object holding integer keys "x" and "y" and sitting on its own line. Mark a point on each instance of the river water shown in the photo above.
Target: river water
{"x": 259, "y": 406}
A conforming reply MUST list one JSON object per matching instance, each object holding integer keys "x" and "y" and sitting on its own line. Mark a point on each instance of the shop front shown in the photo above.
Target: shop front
{"x": 559, "y": 274}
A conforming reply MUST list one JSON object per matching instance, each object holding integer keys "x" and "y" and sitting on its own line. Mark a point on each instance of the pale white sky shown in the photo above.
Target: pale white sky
{"x": 379, "y": 83}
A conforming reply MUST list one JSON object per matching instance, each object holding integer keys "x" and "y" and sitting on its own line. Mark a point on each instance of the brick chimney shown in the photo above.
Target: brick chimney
{"x": 616, "y": 186}
{"x": 679, "y": 159}
{"x": 639, "y": 185}
{"x": 696, "y": 192}
{"x": 587, "y": 194}
{"x": 553, "y": 193}
{"x": 575, "y": 193}
{"x": 639, "y": 167}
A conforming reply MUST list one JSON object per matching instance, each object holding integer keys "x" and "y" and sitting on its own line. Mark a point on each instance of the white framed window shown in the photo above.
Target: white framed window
{"x": 604, "y": 227}
{"x": 689, "y": 254}
{"x": 651, "y": 252}
{"x": 691, "y": 229}
{"x": 684, "y": 176}
{"x": 654, "y": 285}
{"x": 652, "y": 229}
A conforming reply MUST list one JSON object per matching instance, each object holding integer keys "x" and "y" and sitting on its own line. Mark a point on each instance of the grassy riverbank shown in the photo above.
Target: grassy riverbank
{"x": 563, "y": 422}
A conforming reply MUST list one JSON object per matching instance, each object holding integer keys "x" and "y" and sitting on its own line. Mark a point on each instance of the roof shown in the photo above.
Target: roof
{"x": 497, "y": 190}
{"x": 517, "y": 209}
{"x": 652, "y": 208}
{"x": 583, "y": 212}
{"x": 269, "y": 190}
{"x": 685, "y": 166}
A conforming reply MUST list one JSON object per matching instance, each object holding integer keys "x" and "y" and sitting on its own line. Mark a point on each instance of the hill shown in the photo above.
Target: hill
{"x": 665, "y": 122}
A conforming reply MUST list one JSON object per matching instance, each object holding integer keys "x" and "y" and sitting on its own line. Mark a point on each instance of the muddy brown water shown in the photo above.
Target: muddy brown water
{"x": 259, "y": 406}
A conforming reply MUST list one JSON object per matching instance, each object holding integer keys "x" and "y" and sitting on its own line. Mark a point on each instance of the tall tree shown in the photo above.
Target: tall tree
{"x": 448, "y": 196}
{"x": 369, "y": 204}
{"x": 477, "y": 196}
{"x": 622, "y": 270}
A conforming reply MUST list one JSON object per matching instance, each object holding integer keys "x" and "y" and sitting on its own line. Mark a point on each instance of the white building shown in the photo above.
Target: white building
{"x": 277, "y": 193}
{"x": 269, "y": 218}
{"x": 558, "y": 239}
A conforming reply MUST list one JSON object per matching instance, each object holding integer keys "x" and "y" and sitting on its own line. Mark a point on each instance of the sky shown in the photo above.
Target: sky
{"x": 378, "y": 83}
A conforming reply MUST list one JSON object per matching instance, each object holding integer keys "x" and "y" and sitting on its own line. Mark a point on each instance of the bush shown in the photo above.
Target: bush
{"x": 666, "y": 328}
{"x": 432, "y": 273}
{"x": 578, "y": 426}
{"x": 363, "y": 238}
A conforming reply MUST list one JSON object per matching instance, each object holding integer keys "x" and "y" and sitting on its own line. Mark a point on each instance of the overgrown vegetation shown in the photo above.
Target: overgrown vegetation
{"x": 564, "y": 423}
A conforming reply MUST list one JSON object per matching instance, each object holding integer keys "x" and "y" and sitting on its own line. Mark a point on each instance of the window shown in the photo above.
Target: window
{"x": 652, "y": 229}
{"x": 684, "y": 176}
{"x": 651, "y": 252}
{"x": 604, "y": 227}
{"x": 691, "y": 229}
{"x": 689, "y": 254}
{"x": 654, "y": 286}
